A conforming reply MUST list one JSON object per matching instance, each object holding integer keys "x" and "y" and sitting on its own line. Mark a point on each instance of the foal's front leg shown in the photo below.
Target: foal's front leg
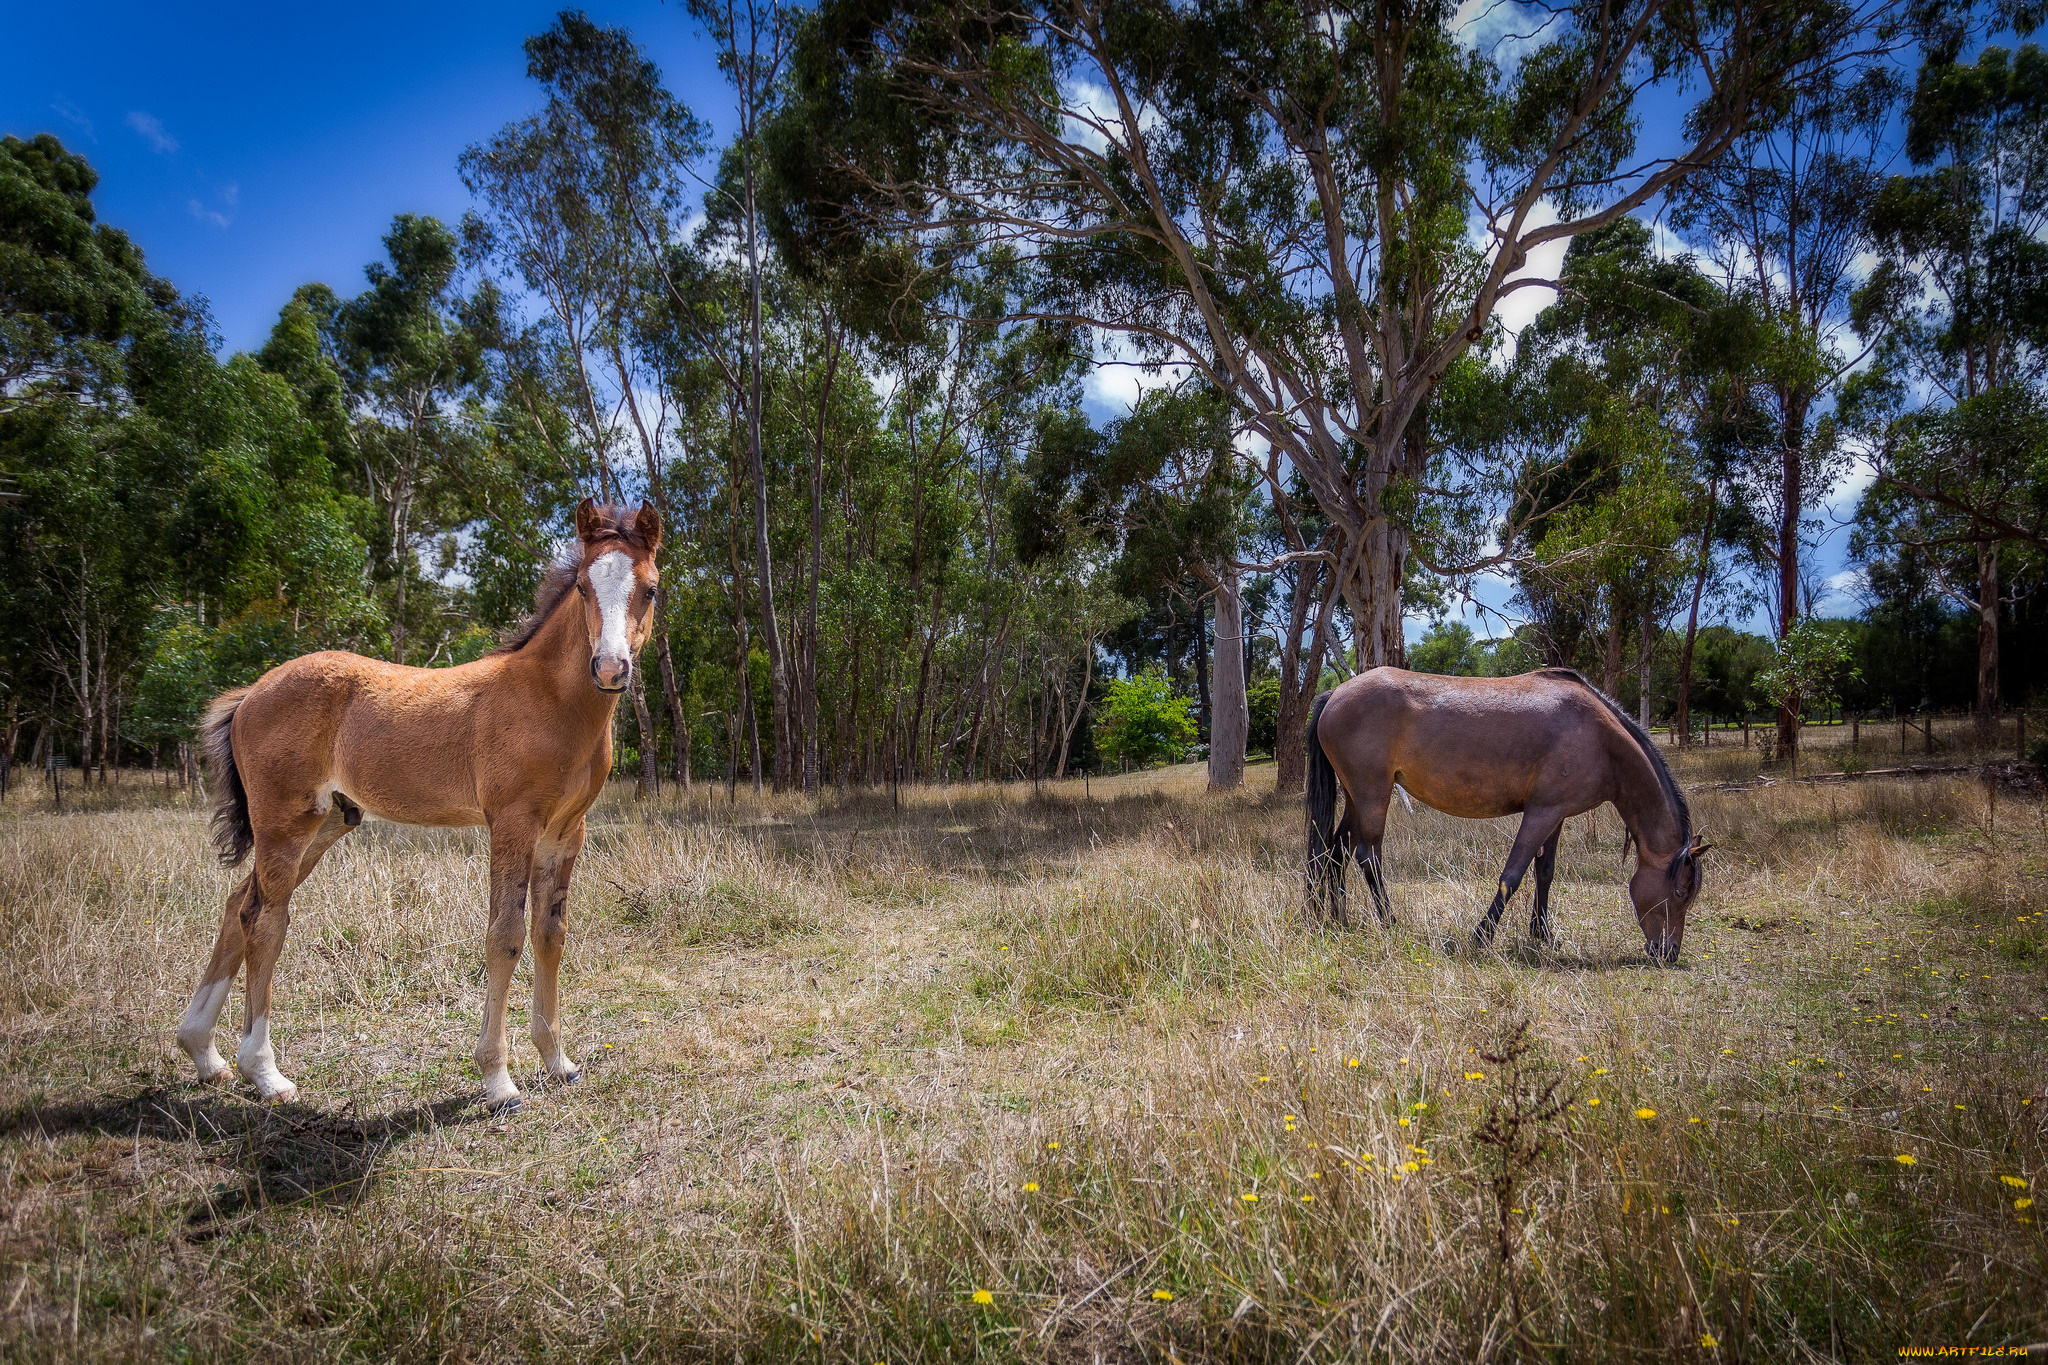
{"x": 551, "y": 869}
{"x": 512, "y": 841}
{"x": 1539, "y": 827}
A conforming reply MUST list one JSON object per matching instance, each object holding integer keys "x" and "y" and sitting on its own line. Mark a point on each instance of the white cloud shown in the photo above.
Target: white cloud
{"x": 1519, "y": 309}
{"x": 73, "y": 115}
{"x": 152, "y": 130}
{"x": 205, "y": 214}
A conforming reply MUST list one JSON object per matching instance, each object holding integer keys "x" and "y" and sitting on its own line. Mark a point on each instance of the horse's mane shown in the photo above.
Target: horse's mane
{"x": 614, "y": 523}
{"x": 1679, "y": 809}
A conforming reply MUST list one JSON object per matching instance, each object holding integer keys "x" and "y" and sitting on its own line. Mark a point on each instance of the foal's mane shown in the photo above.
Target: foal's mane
{"x": 613, "y": 523}
{"x": 1680, "y": 811}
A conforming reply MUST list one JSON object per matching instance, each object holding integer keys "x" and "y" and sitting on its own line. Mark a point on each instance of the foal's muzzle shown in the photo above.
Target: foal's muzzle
{"x": 611, "y": 677}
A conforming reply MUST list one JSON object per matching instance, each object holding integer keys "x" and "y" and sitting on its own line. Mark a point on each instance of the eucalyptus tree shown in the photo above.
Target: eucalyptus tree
{"x": 1317, "y": 210}
{"x": 1164, "y": 488}
{"x": 1782, "y": 221}
{"x": 1644, "y": 371}
{"x": 1956, "y": 407}
{"x": 580, "y": 201}
{"x": 408, "y": 362}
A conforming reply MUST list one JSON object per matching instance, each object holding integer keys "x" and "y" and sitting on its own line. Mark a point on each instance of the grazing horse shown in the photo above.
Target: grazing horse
{"x": 519, "y": 741}
{"x": 1547, "y": 744}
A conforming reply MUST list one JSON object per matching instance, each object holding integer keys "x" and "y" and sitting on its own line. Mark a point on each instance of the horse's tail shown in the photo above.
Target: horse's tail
{"x": 232, "y": 834}
{"x": 1325, "y": 850}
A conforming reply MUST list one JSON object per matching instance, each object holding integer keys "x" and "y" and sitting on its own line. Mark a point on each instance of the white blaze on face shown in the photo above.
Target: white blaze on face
{"x": 611, "y": 579}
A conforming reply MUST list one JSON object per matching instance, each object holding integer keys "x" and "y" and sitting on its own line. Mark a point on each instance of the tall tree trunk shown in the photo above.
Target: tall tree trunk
{"x": 1300, "y": 674}
{"x": 650, "y": 760}
{"x": 771, "y": 635}
{"x": 1987, "y": 645}
{"x": 1230, "y": 717}
{"x": 1069, "y": 725}
{"x": 1204, "y": 703}
{"x": 1692, "y": 618}
{"x": 671, "y": 694}
{"x": 1643, "y": 652}
{"x": 1610, "y": 676}
{"x": 1792, "y": 492}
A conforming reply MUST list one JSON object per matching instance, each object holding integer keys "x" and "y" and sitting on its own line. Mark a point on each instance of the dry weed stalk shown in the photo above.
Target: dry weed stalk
{"x": 1529, "y": 1101}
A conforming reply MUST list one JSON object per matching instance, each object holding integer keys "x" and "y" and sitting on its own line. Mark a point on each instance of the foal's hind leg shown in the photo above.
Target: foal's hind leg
{"x": 281, "y": 863}
{"x": 1539, "y": 827}
{"x": 1546, "y": 865}
{"x": 551, "y": 868}
{"x": 230, "y": 945}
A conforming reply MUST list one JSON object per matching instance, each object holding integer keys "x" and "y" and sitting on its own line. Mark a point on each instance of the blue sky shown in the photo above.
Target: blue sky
{"x": 250, "y": 149}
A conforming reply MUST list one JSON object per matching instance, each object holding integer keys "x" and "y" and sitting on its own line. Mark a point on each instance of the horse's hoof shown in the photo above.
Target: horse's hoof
{"x": 280, "y": 1094}
{"x": 224, "y": 1076}
{"x": 506, "y": 1107}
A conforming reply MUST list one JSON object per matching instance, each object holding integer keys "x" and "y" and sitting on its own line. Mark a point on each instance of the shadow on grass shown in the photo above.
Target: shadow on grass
{"x": 278, "y": 1155}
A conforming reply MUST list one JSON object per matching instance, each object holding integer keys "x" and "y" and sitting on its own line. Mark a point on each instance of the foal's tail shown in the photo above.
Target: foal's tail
{"x": 232, "y": 834}
{"x": 1326, "y": 851}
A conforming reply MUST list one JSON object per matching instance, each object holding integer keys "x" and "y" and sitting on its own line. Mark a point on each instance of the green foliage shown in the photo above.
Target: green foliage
{"x": 1448, "y": 647}
{"x": 1141, "y": 721}
{"x": 1811, "y": 664}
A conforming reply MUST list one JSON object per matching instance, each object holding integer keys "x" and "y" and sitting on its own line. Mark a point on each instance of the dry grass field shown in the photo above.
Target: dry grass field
{"x": 998, "y": 1074}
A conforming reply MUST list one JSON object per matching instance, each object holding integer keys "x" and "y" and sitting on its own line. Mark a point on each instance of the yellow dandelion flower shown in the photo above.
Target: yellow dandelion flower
{"x": 1600, "y": 1071}
{"x": 1265, "y": 1078}
{"x": 1906, "y": 1159}
{"x": 1410, "y": 1166}
{"x": 1366, "y": 1157}
{"x": 2014, "y": 1181}
{"x": 1163, "y": 1295}
{"x": 1288, "y": 1117}
{"x": 1420, "y": 1107}
{"x": 1308, "y": 1199}
{"x": 1031, "y": 1187}
{"x": 982, "y": 1296}
{"x": 1475, "y": 1075}
{"x": 1646, "y": 1114}
{"x": 1404, "y": 1121}
{"x": 1695, "y": 1120}
{"x": 1315, "y": 1175}
{"x": 1707, "y": 1340}
{"x": 1594, "y": 1102}
{"x": 1052, "y": 1146}
{"x": 1352, "y": 1062}
{"x": 2023, "y": 1203}
{"x": 1249, "y": 1197}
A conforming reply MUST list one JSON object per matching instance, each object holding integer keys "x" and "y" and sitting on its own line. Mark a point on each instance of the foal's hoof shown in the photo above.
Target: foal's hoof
{"x": 505, "y": 1106}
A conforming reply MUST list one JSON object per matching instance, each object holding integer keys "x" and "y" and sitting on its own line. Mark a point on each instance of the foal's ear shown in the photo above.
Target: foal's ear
{"x": 587, "y": 520}
{"x": 647, "y": 525}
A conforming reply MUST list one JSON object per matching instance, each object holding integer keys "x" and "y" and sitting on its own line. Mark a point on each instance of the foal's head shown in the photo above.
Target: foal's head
{"x": 616, "y": 582}
{"x": 1662, "y": 893}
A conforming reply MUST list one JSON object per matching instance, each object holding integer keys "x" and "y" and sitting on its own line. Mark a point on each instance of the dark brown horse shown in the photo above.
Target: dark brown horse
{"x": 1547, "y": 745}
{"x": 519, "y": 740}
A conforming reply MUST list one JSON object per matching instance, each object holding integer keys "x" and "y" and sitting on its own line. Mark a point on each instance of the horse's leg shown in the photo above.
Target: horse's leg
{"x": 552, "y": 866}
{"x": 1546, "y": 865}
{"x": 1539, "y": 827}
{"x": 195, "y": 1030}
{"x": 266, "y": 915}
{"x": 512, "y": 841}
{"x": 1368, "y": 826}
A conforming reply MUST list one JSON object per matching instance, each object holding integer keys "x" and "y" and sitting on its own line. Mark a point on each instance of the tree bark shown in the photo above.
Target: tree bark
{"x": 1230, "y": 710}
{"x": 771, "y": 636}
{"x": 1300, "y": 674}
{"x": 1987, "y": 645}
{"x": 650, "y": 761}
{"x": 1792, "y": 490}
{"x": 1692, "y": 619}
{"x": 1643, "y": 652}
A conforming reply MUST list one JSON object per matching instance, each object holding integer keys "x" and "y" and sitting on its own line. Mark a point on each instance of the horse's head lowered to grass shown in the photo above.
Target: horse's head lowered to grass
{"x": 1662, "y": 893}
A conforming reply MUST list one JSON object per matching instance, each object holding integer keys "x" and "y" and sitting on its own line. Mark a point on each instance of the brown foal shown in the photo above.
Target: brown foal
{"x": 1547, "y": 745}
{"x": 519, "y": 741}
